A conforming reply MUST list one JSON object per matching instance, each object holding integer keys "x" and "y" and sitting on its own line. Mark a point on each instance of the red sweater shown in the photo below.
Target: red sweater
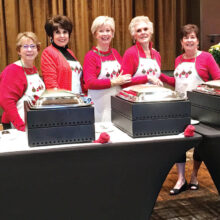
{"x": 131, "y": 61}
{"x": 13, "y": 84}
{"x": 56, "y": 70}
{"x": 92, "y": 67}
{"x": 206, "y": 67}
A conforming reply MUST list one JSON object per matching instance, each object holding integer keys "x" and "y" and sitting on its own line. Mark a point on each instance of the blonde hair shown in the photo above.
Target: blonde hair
{"x": 102, "y": 20}
{"x": 138, "y": 19}
{"x": 26, "y": 35}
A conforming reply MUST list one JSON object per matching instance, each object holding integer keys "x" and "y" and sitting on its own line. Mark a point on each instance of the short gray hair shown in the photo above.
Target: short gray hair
{"x": 138, "y": 19}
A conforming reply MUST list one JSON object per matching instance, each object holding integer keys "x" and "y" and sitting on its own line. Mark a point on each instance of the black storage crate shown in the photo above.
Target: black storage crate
{"x": 59, "y": 125}
{"x": 150, "y": 118}
{"x": 205, "y": 107}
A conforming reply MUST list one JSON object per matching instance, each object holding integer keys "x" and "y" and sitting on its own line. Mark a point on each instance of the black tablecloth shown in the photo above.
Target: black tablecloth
{"x": 209, "y": 150}
{"x": 119, "y": 181}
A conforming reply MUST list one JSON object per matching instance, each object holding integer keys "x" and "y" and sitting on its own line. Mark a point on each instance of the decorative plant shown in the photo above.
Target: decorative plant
{"x": 215, "y": 51}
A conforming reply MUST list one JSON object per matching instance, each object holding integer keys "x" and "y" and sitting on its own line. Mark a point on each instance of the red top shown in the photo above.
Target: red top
{"x": 206, "y": 67}
{"x": 92, "y": 67}
{"x": 56, "y": 70}
{"x": 13, "y": 84}
{"x": 131, "y": 61}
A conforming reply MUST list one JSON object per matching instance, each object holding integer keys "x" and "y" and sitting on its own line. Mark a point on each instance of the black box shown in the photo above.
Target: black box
{"x": 64, "y": 125}
{"x": 205, "y": 107}
{"x": 150, "y": 118}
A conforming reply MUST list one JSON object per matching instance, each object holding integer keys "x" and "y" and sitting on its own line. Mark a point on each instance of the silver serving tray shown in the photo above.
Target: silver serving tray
{"x": 56, "y": 95}
{"x": 149, "y": 93}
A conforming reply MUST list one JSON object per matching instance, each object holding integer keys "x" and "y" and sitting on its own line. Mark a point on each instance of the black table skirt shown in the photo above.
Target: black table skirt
{"x": 119, "y": 181}
{"x": 209, "y": 150}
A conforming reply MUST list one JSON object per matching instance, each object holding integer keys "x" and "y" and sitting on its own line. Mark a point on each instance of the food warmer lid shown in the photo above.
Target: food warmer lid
{"x": 148, "y": 93}
{"x": 60, "y": 98}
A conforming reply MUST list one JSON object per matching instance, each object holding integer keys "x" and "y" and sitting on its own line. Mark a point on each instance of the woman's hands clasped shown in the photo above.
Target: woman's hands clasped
{"x": 121, "y": 79}
{"x": 154, "y": 80}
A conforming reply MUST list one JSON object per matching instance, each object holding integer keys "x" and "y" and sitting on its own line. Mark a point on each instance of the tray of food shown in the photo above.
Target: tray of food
{"x": 60, "y": 99}
{"x": 211, "y": 87}
{"x": 148, "y": 93}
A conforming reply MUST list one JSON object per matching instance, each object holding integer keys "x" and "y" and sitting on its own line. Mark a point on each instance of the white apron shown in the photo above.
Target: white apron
{"x": 186, "y": 78}
{"x": 35, "y": 87}
{"x": 147, "y": 66}
{"x": 76, "y": 76}
{"x": 102, "y": 97}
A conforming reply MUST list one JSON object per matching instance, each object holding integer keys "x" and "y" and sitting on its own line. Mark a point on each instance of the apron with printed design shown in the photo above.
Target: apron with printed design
{"x": 76, "y": 76}
{"x": 186, "y": 78}
{"x": 147, "y": 66}
{"x": 102, "y": 97}
{"x": 35, "y": 88}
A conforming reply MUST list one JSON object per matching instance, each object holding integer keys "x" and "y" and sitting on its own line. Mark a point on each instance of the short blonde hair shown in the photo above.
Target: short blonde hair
{"x": 102, "y": 20}
{"x": 26, "y": 35}
{"x": 138, "y": 19}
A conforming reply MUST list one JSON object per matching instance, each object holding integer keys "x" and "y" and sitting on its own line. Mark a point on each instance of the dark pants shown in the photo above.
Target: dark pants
{"x": 6, "y": 126}
{"x": 196, "y": 156}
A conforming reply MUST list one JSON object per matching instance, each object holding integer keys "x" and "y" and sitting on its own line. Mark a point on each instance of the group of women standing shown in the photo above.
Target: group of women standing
{"x": 104, "y": 71}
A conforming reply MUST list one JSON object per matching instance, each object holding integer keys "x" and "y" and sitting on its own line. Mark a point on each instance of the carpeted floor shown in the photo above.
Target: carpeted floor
{"x": 201, "y": 208}
{"x": 201, "y": 204}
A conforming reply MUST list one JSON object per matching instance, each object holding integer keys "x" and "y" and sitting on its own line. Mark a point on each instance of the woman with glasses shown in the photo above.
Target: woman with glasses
{"x": 20, "y": 82}
{"x": 59, "y": 66}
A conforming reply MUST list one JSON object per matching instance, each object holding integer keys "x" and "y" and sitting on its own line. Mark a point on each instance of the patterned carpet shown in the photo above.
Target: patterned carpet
{"x": 201, "y": 208}
{"x": 201, "y": 204}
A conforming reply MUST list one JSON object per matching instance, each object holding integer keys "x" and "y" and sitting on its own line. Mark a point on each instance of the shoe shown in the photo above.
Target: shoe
{"x": 193, "y": 186}
{"x": 174, "y": 191}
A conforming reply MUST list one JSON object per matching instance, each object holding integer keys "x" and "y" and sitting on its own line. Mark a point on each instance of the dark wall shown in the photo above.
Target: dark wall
{"x": 193, "y": 16}
{"x": 205, "y": 14}
{"x": 210, "y": 23}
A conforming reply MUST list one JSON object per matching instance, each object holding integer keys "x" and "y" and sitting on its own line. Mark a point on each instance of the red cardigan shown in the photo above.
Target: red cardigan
{"x": 130, "y": 62}
{"x": 56, "y": 70}
{"x": 92, "y": 67}
{"x": 13, "y": 84}
{"x": 206, "y": 67}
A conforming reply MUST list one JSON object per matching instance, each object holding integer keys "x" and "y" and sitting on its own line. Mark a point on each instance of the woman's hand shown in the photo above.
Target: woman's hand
{"x": 121, "y": 79}
{"x": 154, "y": 80}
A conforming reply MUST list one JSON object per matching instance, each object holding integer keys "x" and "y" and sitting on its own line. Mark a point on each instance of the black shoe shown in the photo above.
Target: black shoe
{"x": 193, "y": 186}
{"x": 174, "y": 191}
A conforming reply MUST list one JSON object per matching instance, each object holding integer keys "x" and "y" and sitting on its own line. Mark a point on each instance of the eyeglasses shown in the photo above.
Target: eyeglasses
{"x": 31, "y": 46}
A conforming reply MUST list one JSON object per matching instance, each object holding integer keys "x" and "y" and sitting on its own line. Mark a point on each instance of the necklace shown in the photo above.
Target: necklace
{"x": 190, "y": 57}
{"x": 28, "y": 70}
{"x": 102, "y": 54}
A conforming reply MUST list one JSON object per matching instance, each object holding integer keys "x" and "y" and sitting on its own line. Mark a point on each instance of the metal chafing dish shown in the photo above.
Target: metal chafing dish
{"x": 148, "y": 93}
{"x": 59, "y": 117}
{"x": 148, "y": 110}
{"x": 60, "y": 98}
{"x": 205, "y": 102}
{"x": 211, "y": 87}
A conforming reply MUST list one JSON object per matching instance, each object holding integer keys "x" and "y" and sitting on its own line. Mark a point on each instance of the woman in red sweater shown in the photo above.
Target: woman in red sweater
{"x": 20, "y": 82}
{"x": 141, "y": 61}
{"x": 192, "y": 68}
{"x": 59, "y": 66}
{"x": 101, "y": 68}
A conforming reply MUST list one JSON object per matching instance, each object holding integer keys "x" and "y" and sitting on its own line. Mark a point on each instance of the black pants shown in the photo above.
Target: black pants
{"x": 196, "y": 156}
{"x": 6, "y": 126}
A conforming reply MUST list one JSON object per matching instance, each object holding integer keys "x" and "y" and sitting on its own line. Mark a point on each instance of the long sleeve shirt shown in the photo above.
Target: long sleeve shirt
{"x": 130, "y": 62}
{"x": 206, "y": 67}
{"x": 13, "y": 84}
{"x": 92, "y": 67}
